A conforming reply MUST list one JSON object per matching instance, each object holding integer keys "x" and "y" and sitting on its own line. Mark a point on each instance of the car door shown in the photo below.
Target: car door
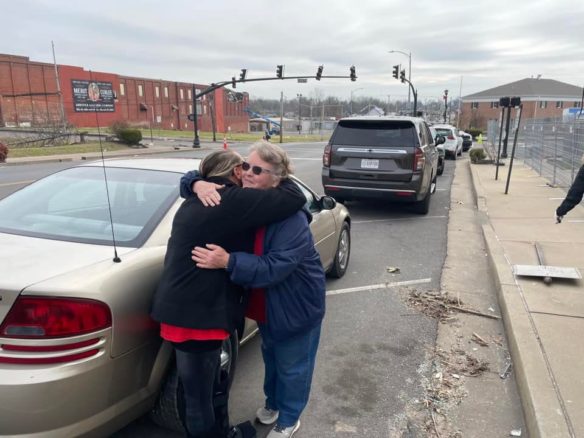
{"x": 323, "y": 227}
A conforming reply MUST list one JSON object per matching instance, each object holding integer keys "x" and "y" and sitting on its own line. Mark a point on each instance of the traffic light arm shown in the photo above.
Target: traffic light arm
{"x": 214, "y": 87}
{"x": 415, "y": 94}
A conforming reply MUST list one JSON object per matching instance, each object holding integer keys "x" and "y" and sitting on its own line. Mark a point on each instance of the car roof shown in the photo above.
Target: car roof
{"x": 383, "y": 118}
{"x": 444, "y": 126}
{"x": 179, "y": 165}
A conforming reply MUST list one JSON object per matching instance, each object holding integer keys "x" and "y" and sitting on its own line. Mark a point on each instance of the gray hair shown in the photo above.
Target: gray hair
{"x": 274, "y": 155}
{"x": 220, "y": 163}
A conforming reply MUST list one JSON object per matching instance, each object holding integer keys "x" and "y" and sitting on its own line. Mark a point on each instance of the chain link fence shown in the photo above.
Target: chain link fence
{"x": 554, "y": 149}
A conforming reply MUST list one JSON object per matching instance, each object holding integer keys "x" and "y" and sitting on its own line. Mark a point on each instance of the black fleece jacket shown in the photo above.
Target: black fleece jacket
{"x": 206, "y": 298}
{"x": 574, "y": 194}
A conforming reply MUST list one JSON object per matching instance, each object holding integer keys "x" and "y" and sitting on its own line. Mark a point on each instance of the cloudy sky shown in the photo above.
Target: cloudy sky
{"x": 485, "y": 42}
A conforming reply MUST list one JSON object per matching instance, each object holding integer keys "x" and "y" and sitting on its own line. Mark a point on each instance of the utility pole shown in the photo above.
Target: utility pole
{"x": 196, "y": 141}
{"x": 299, "y": 110}
{"x": 281, "y": 116}
{"x": 445, "y": 104}
{"x": 62, "y": 105}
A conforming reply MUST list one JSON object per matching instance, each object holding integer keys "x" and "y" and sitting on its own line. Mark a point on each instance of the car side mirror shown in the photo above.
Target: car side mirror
{"x": 327, "y": 203}
{"x": 440, "y": 140}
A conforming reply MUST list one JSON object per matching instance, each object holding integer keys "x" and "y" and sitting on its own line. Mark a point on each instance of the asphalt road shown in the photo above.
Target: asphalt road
{"x": 373, "y": 347}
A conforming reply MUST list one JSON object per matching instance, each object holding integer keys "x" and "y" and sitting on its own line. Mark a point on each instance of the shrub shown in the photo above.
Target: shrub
{"x": 3, "y": 152}
{"x": 130, "y": 136}
{"x": 476, "y": 155}
{"x": 118, "y": 126}
{"x": 474, "y": 132}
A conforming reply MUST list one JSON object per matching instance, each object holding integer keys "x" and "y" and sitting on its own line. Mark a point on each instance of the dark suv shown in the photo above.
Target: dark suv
{"x": 392, "y": 158}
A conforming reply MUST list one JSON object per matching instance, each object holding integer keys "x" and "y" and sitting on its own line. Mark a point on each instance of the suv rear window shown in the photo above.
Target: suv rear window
{"x": 376, "y": 133}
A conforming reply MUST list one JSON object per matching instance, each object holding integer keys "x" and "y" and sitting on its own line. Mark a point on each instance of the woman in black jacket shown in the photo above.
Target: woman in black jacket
{"x": 199, "y": 308}
{"x": 574, "y": 195}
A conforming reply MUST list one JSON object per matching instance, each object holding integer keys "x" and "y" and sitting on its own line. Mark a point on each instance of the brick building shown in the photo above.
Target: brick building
{"x": 29, "y": 96}
{"x": 542, "y": 99}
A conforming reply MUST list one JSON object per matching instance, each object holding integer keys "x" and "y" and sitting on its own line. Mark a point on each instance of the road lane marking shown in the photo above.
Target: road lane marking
{"x": 377, "y": 286}
{"x": 398, "y": 219}
{"x": 16, "y": 183}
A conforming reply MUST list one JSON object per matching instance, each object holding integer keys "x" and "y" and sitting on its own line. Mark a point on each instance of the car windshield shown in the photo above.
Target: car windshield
{"x": 72, "y": 205}
{"x": 377, "y": 133}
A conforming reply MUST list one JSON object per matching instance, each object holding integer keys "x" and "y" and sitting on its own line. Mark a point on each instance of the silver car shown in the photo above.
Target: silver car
{"x": 79, "y": 354}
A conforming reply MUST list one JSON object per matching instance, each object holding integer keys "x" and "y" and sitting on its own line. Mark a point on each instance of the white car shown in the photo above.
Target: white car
{"x": 453, "y": 143}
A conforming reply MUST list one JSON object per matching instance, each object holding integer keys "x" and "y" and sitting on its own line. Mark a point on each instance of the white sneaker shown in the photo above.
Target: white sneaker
{"x": 284, "y": 432}
{"x": 266, "y": 415}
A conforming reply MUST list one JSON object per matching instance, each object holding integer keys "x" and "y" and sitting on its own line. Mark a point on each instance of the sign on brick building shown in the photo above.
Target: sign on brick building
{"x": 90, "y": 96}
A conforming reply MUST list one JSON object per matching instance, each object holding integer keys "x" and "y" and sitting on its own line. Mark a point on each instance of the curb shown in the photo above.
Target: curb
{"x": 542, "y": 410}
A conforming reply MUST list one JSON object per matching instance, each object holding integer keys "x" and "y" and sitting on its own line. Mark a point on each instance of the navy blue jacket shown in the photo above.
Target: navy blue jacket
{"x": 292, "y": 274}
{"x": 574, "y": 196}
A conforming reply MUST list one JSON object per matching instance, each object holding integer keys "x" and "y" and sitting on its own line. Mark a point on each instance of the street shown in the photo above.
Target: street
{"x": 373, "y": 348}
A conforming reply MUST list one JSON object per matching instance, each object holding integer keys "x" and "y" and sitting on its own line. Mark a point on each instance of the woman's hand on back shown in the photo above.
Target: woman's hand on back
{"x": 207, "y": 193}
{"x": 212, "y": 257}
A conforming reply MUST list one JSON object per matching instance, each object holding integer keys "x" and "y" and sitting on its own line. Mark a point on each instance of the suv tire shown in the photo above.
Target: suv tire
{"x": 423, "y": 206}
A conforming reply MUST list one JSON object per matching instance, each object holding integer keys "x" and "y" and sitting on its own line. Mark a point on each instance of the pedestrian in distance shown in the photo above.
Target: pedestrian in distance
{"x": 574, "y": 196}
{"x": 198, "y": 309}
{"x": 288, "y": 295}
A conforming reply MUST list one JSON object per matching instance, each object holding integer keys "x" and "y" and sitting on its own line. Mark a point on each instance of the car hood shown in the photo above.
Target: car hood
{"x": 29, "y": 260}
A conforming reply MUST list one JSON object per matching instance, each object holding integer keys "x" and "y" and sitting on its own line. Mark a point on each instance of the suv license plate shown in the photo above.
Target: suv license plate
{"x": 370, "y": 164}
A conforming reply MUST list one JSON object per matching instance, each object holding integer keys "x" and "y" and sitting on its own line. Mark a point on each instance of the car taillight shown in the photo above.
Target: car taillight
{"x": 41, "y": 318}
{"x": 326, "y": 156}
{"x": 419, "y": 159}
{"x": 450, "y": 137}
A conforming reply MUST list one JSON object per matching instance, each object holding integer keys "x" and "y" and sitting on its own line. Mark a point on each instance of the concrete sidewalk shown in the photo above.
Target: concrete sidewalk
{"x": 544, "y": 324}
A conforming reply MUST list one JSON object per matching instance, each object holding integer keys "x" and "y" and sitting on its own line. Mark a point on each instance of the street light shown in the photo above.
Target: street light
{"x": 299, "y": 119}
{"x": 351, "y": 100}
{"x": 409, "y": 55}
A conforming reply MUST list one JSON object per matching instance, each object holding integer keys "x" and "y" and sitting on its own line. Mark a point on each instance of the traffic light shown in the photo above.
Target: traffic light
{"x": 353, "y": 75}
{"x": 515, "y": 101}
{"x": 396, "y": 71}
{"x": 243, "y": 74}
{"x": 319, "y": 72}
{"x": 233, "y": 83}
{"x": 504, "y": 102}
{"x": 280, "y": 71}
{"x": 402, "y": 76}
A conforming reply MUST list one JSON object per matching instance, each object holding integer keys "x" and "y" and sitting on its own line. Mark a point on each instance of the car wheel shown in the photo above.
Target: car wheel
{"x": 454, "y": 155}
{"x": 423, "y": 206}
{"x": 166, "y": 411}
{"x": 460, "y": 153}
{"x": 341, "y": 261}
{"x": 440, "y": 169}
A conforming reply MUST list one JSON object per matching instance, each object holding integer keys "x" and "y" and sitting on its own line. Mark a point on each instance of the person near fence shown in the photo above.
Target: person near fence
{"x": 574, "y": 196}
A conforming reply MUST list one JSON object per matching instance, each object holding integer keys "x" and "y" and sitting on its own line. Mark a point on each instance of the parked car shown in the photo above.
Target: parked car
{"x": 79, "y": 354}
{"x": 389, "y": 158}
{"x": 466, "y": 140}
{"x": 453, "y": 143}
{"x": 440, "y": 149}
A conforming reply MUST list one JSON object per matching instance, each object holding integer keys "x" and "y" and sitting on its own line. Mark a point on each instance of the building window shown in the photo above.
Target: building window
{"x": 182, "y": 94}
{"x": 190, "y": 94}
{"x": 543, "y": 104}
{"x": 165, "y": 91}
{"x": 190, "y": 109}
{"x": 157, "y": 91}
{"x": 474, "y": 105}
{"x": 140, "y": 90}
{"x": 122, "y": 89}
{"x": 559, "y": 104}
{"x": 577, "y": 104}
{"x": 494, "y": 104}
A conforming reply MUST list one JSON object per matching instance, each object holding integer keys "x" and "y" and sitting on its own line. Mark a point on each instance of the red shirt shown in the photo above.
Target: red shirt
{"x": 256, "y": 308}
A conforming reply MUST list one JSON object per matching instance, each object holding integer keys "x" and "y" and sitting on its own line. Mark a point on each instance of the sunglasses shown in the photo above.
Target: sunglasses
{"x": 256, "y": 170}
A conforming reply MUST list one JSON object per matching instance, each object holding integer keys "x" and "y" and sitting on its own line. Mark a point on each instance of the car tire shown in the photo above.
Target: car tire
{"x": 460, "y": 153}
{"x": 440, "y": 169}
{"x": 166, "y": 411}
{"x": 343, "y": 253}
{"x": 423, "y": 206}
{"x": 454, "y": 155}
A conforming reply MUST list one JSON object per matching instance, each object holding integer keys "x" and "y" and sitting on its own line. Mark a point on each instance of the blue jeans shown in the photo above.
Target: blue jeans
{"x": 288, "y": 372}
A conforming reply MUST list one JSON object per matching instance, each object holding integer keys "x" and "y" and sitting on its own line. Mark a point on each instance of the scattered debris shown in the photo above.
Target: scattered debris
{"x": 507, "y": 370}
{"x": 476, "y": 338}
{"x": 392, "y": 270}
{"x": 440, "y": 306}
{"x": 516, "y": 432}
{"x": 491, "y": 309}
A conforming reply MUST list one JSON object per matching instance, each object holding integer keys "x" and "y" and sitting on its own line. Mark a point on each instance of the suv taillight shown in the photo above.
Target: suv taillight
{"x": 326, "y": 156}
{"x": 41, "y": 318}
{"x": 450, "y": 137}
{"x": 419, "y": 159}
